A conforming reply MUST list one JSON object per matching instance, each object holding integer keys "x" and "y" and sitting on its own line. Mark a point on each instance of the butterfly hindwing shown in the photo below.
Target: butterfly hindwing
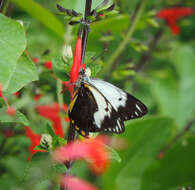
{"x": 106, "y": 118}
{"x": 124, "y": 104}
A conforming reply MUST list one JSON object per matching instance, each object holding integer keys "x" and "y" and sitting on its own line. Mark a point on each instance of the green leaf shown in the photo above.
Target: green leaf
{"x": 38, "y": 147}
{"x": 24, "y": 73}
{"x": 175, "y": 97}
{"x": 78, "y": 5}
{"x": 146, "y": 138}
{"x": 50, "y": 131}
{"x": 43, "y": 15}
{"x": 61, "y": 69}
{"x": 12, "y": 45}
{"x": 113, "y": 154}
{"x": 17, "y": 118}
{"x": 174, "y": 170}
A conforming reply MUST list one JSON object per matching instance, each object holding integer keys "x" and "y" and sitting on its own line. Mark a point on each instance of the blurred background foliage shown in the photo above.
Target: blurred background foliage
{"x": 155, "y": 66}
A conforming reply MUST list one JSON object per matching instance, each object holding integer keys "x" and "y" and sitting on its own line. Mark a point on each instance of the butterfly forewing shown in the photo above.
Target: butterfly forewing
{"x": 81, "y": 111}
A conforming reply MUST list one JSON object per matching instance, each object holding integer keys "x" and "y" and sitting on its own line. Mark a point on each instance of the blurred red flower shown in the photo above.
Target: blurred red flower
{"x": 52, "y": 112}
{"x": 16, "y": 93}
{"x": 35, "y": 60}
{"x": 10, "y": 110}
{"x": 92, "y": 150}
{"x": 35, "y": 141}
{"x": 171, "y": 15}
{"x": 73, "y": 183}
{"x": 48, "y": 65}
{"x": 37, "y": 97}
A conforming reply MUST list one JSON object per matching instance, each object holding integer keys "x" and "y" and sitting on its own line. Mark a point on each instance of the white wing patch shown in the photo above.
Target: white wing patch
{"x": 102, "y": 106}
{"x": 114, "y": 95}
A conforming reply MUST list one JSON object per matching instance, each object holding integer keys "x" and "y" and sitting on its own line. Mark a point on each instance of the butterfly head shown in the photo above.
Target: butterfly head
{"x": 84, "y": 75}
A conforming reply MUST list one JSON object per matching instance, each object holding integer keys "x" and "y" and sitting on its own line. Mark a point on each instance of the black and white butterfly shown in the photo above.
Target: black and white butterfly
{"x": 100, "y": 106}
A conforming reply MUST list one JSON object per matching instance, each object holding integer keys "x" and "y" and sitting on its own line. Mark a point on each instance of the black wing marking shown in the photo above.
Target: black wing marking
{"x": 81, "y": 111}
{"x": 125, "y": 104}
{"x": 133, "y": 108}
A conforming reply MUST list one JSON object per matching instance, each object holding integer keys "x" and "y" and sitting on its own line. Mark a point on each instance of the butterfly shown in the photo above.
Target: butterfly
{"x": 98, "y": 106}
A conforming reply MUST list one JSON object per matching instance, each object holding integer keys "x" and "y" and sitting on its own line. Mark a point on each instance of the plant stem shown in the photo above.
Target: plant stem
{"x": 107, "y": 69}
{"x": 4, "y": 5}
{"x": 85, "y": 29}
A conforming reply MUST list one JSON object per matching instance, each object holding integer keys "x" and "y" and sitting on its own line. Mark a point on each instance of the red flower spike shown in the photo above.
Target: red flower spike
{"x": 52, "y": 112}
{"x": 35, "y": 141}
{"x": 48, "y": 65}
{"x": 73, "y": 183}
{"x": 91, "y": 150}
{"x": 171, "y": 15}
{"x": 76, "y": 61}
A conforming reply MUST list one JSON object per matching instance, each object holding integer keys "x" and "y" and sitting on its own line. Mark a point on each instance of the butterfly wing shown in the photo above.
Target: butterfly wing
{"x": 81, "y": 110}
{"x": 127, "y": 106}
{"x": 89, "y": 111}
{"x": 105, "y": 117}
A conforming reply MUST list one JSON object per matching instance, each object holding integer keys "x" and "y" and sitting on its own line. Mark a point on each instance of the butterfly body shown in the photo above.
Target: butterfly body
{"x": 100, "y": 106}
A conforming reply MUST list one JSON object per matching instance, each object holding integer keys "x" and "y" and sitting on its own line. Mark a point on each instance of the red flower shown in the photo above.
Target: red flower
{"x": 76, "y": 61}
{"x": 10, "y": 111}
{"x": 52, "y": 112}
{"x": 48, "y": 65}
{"x": 35, "y": 141}
{"x": 73, "y": 183}
{"x": 91, "y": 150}
{"x": 37, "y": 97}
{"x": 68, "y": 86}
{"x": 16, "y": 94}
{"x": 171, "y": 15}
{"x": 35, "y": 60}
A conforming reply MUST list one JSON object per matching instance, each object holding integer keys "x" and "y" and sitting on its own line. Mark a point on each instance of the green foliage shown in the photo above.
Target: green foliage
{"x": 12, "y": 45}
{"x": 155, "y": 66}
{"x": 42, "y": 14}
{"x": 17, "y": 118}
{"x": 145, "y": 139}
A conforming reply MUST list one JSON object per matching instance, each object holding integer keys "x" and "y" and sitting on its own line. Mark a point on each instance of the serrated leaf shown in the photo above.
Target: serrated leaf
{"x": 17, "y": 118}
